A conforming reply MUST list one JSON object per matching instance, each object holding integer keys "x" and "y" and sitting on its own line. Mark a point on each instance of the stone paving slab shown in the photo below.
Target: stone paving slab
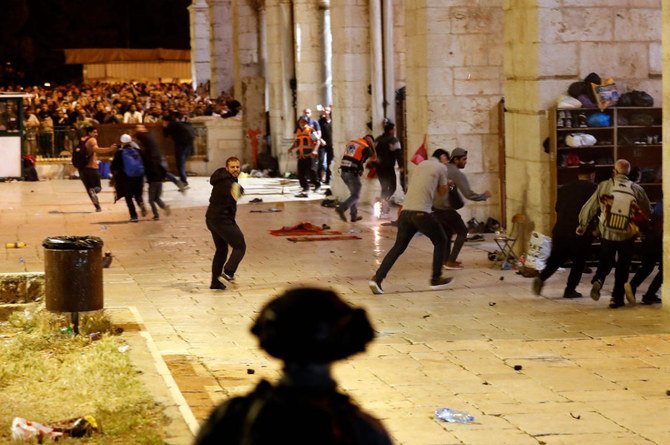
{"x": 454, "y": 348}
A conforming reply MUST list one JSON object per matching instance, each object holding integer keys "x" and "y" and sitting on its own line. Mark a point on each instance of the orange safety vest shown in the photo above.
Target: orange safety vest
{"x": 353, "y": 158}
{"x": 304, "y": 142}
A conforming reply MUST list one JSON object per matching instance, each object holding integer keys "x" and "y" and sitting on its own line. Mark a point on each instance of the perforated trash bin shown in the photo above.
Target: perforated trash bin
{"x": 73, "y": 273}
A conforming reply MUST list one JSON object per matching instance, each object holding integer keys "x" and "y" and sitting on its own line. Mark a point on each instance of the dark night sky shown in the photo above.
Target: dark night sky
{"x": 34, "y": 31}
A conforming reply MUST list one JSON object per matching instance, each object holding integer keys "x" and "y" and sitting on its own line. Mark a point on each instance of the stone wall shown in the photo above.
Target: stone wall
{"x": 454, "y": 83}
{"x": 548, "y": 45}
{"x": 225, "y": 138}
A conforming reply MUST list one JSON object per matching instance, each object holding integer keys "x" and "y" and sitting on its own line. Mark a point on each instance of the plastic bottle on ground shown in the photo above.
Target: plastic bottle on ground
{"x": 454, "y": 416}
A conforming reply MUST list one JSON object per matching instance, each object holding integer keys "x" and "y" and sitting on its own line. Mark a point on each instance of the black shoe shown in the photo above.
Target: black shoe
{"x": 572, "y": 294}
{"x": 588, "y": 270}
{"x": 302, "y": 195}
{"x": 98, "y": 208}
{"x": 614, "y": 304}
{"x": 595, "y": 289}
{"x": 340, "y": 212}
{"x": 538, "y": 284}
{"x": 440, "y": 283}
{"x": 376, "y": 286}
{"x": 217, "y": 285}
{"x": 651, "y": 299}
{"x": 356, "y": 218}
{"x": 134, "y": 220}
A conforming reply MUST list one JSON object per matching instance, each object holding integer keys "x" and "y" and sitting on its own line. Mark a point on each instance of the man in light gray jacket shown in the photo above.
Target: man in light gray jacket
{"x": 617, "y": 199}
{"x": 445, "y": 211}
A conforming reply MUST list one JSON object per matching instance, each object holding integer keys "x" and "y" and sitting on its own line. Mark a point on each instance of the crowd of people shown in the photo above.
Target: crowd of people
{"x": 55, "y": 115}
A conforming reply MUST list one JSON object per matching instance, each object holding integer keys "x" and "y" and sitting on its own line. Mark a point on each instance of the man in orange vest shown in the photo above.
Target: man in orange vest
{"x": 351, "y": 167}
{"x": 306, "y": 143}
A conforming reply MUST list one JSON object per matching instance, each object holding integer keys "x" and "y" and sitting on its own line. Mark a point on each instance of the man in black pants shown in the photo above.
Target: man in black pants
{"x": 90, "y": 174}
{"x": 389, "y": 153}
{"x": 566, "y": 244}
{"x": 220, "y": 219}
{"x": 429, "y": 178}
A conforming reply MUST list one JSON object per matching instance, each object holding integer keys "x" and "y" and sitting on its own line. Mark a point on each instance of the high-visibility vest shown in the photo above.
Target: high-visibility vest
{"x": 353, "y": 158}
{"x": 304, "y": 142}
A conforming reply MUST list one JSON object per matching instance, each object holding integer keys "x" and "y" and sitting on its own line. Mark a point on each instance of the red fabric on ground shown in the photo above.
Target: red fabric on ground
{"x": 304, "y": 228}
{"x": 297, "y": 239}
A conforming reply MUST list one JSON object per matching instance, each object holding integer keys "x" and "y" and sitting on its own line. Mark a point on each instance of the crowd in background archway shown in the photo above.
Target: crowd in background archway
{"x": 55, "y": 114}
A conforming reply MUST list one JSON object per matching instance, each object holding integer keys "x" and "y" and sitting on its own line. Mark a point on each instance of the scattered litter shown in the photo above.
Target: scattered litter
{"x": 272, "y": 210}
{"x": 426, "y": 316}
{"x": 67, "y": 330}
{"x": 453, "y": 416}
{"x": 255, "y": 200}
{"x": 502, "y": 278}
{"x": 485, "y": 383}
{"x": 95, "y": 336}
{"x": 16, "y": 245}
{"x": 250, "y": 371}
{"x": 575, "y": 417}
{"x": 518, "y": 367}
{"x": 23, "y": 429}
{"x": 492, "y": 303}
{"x": 123, "y": 348}
{"x": 667, "y": 392}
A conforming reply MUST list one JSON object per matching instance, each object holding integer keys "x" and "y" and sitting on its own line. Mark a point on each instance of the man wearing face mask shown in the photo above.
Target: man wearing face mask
{"x": 221, "y": 222}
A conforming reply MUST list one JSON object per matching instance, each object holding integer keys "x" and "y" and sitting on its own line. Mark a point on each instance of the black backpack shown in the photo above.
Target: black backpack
{"x": 80, "y": 155}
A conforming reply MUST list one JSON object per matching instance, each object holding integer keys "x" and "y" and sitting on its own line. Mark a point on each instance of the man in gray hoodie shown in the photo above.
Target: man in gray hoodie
{"x": 445, "y": 210}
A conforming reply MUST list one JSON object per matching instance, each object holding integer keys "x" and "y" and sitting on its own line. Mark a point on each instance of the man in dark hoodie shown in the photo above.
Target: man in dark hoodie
{"x": 153, "y": 169}
{"x": 220, "y": 219}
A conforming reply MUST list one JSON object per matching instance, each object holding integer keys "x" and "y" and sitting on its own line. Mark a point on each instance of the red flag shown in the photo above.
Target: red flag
{"x": 421, "y": 154}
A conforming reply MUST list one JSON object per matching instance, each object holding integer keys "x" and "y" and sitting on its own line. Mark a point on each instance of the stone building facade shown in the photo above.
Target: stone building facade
{"x": 457, "y": 60}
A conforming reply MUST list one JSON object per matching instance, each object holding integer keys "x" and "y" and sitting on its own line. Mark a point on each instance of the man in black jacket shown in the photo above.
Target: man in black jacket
{"x": 183, "y": 135}
{"x": 154, "y": 169}
{"x": 389, "y": 153}
{"x": 221, "y": 222}
{"x": 566, "y": 244}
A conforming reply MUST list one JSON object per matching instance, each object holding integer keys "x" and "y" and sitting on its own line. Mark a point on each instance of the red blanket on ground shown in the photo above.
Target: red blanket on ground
{"x": 304, "y": 228}
{"x": 297, "y": 239}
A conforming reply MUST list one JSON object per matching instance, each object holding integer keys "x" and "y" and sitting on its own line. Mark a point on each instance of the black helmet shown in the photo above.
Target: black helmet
{"x": 311, "y": 325}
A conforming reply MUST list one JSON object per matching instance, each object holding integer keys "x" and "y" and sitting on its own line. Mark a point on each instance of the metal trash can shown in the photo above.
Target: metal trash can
{"x": 73, "y": 273}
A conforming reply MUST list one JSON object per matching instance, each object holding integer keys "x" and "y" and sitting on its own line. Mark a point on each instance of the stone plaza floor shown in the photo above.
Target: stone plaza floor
{"x": 586, "y": 374}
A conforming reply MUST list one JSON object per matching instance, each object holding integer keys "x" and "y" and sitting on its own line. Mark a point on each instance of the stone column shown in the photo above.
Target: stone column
{"x": 327, "y": 46}
{"x": 222, "y": 53}
{"x": 307, "y": 34}
{"x": 351, "y": 80}
{"x": 376, "y": 66}
{"x": 280, "y": 72}
{"x": 454, "y": 83}
{"x": 389, "y": 59}
{"x": 200, "y": 50}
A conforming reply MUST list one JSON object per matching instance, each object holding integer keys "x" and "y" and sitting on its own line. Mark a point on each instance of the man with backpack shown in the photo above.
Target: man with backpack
{"x": 84, "y": 158}
{"x": 620, "y": 202}
{"x": 128, "y": 171}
